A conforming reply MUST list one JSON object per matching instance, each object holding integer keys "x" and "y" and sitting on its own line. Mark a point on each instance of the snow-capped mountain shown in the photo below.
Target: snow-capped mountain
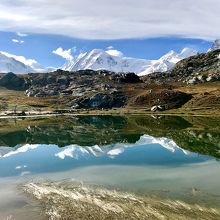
{"x": 167, "y": 61}
{"x": 17, "y": 64}
{"x": 41, "y": 69}
{"x": 98, "y": 59}
{"x": 75, "y": 151}
{"x": 215, "y": 45}
{"x": 112, "y": 150}
{"x": 10, "y": 64}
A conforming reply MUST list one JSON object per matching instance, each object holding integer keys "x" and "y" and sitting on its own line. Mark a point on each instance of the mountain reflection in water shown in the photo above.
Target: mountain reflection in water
{"x": 168, "y": 157}
{"x": 195, "y": 134}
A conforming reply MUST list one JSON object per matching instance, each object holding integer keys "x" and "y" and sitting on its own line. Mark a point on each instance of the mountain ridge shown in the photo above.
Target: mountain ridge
{"x": 98, "y": 59}
{"x": 12, "y": 63}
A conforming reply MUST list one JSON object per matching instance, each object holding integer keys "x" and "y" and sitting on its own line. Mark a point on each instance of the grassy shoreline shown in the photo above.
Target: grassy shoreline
{"x": 122, "y": 111}
{"x": 205, "y": 102}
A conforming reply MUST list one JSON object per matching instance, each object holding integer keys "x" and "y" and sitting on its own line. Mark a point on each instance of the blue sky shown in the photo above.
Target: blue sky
{"x": 40, "y": 46}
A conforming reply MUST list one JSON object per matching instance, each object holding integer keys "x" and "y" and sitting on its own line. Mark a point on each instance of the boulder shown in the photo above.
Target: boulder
{"x": 158, "y": 108}
{"x": 127, "y": 78}
{"x": 64, "y": 80}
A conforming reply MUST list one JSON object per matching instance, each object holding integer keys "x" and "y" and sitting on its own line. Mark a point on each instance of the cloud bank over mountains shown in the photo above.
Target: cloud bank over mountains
{"x": 113, "y": 19}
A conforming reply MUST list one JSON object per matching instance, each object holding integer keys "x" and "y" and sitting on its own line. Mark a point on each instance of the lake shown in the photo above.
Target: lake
{"x": 160, "y": 157}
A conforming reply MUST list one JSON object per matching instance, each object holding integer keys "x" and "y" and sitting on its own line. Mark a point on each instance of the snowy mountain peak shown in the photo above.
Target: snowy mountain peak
{"x": 215, "y": 45}
{"x": 168, "y": 56}
{"x": 187, "y": 52}
{"x": 98, "y": 59}
{"x": 19, "y": 64}
{"x": 10, "y": 64}
{"x": 98, "y": 51}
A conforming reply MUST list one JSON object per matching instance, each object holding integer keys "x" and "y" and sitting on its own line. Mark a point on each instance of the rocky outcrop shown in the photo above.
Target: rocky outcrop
{"x": 12, "y": 81}
{"x": 215, "y": 45}
{"x": 103, "y": 101}
{"x": 126, "y": 78}
{"x": 84, "y": 89}
{"x": 200, "y": 68}
{"x": 195, "y": 69}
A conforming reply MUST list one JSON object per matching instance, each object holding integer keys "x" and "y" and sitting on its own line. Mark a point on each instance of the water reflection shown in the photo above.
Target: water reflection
{"x": 196, "y": 134}
{"x": 63, "y": 143}
{"x": 175, "y": 156}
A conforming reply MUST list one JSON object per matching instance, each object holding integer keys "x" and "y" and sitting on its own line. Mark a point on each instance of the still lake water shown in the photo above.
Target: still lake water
{"x": 167, "y": 157}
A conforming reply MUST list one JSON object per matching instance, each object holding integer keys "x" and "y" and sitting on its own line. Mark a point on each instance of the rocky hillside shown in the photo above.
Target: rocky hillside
{"x": 192, "y": 84}
{"x": 86, "y": 89}
{"x": 195, "y": 69}
{"x": 12, "y": 81}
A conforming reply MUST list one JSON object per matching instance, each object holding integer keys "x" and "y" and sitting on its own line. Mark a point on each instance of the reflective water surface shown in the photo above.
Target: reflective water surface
{"x": 167, "y": 157}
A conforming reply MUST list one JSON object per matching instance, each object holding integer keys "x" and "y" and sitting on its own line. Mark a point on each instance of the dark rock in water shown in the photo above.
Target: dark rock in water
{"x": 12, "y": 81}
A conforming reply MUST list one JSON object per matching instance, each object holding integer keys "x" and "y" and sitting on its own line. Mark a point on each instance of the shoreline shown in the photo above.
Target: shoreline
{"x": 107, "y": 113}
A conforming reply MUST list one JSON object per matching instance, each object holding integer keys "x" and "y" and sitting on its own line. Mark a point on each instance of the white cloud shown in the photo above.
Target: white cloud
{"x": 22, "y": 59}
{"x": 114, "y": 52}
{"x": 17, "y": 41}
{"x": 21, "y": 34}
{"x": 110, "y": 48}
{"x": 66, "y": 54}
{"x": 113, "y": 19}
